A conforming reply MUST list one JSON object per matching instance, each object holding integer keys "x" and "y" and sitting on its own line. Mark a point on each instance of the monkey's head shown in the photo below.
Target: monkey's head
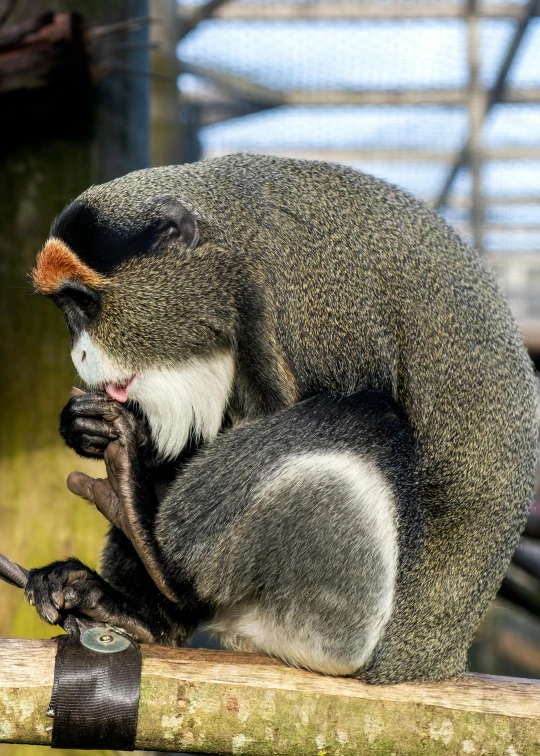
{"x": 149, "y": 316}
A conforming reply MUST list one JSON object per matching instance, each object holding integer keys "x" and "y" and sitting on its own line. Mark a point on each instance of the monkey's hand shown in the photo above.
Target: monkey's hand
{"x": 126, "y": 497}
{"x": 71, "y": 586}
{"x": 87, "y": 425}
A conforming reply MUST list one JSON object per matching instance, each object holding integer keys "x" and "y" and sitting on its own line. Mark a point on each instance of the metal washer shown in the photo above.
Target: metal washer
{"x": 104, "y": 640}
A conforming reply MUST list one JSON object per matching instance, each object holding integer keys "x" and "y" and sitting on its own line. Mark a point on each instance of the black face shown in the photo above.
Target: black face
{"x": 80, "y": 305}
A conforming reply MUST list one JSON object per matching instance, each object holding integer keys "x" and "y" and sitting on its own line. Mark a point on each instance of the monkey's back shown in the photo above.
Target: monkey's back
{"x": 365, "y": 287}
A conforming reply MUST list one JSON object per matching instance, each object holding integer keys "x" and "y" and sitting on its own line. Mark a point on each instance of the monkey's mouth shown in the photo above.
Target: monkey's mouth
{"x": 119, "y": 391}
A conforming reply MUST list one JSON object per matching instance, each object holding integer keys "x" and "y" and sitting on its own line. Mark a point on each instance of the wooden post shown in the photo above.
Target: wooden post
{"x": 351, "y": 10}
{"x": 167, "y": 133}
{"x": 476, "y": 116}
{"x": 41, "y": 520}
{"x": 219, "y": 702}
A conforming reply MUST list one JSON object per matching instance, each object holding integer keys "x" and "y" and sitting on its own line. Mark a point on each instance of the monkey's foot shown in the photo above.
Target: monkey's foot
{"x": 67, "y": 586}
{"x": 124, "y": 497}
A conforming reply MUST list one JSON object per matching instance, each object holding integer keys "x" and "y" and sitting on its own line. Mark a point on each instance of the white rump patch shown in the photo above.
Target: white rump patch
{"x": 185, "y": 401}
{"x": 249, "y": 628}
{"x": 293, "y": 638}
{"x": 181, "y": 402}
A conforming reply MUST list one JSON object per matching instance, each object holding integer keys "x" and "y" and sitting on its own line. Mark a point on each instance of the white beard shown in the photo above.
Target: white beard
{"x": 182, "y": 402}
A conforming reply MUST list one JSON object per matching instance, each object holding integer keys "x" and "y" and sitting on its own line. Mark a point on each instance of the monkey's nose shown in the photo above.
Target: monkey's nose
{"x": 83, "y": 357}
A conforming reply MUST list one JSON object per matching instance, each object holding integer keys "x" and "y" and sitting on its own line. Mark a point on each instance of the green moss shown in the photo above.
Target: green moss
{"x": 230, "y": 719}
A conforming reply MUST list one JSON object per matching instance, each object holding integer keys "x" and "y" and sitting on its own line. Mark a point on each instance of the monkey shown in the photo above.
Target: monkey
{"x": 316, "y": 412}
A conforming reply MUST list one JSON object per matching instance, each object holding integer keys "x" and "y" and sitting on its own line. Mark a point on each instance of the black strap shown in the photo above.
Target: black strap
{"x": 95, "y": 696}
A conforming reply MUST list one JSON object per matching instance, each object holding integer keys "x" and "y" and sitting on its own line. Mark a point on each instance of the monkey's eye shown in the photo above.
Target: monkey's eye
{"x": 81, "y": 298}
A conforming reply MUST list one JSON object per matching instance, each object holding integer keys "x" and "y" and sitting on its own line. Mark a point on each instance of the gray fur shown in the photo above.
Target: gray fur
{"x": 325, "y": 280}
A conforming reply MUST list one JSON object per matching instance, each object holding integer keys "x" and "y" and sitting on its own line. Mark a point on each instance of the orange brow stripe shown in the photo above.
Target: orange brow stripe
{"x": 57, "y": 263}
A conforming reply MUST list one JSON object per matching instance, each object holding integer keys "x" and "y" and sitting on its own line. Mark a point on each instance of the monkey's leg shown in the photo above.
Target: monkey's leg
{"x": 123, "y": 569}
{"x": 287, "y": 527}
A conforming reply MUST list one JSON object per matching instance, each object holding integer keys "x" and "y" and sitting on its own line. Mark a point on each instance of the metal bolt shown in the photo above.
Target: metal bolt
{"x": 106, "y": 639}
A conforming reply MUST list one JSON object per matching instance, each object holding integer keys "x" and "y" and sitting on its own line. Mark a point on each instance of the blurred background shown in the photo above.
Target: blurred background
{"x": 441, "y": 97}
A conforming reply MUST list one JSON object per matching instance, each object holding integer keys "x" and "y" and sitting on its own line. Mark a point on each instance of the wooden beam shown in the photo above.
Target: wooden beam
{"x": 530, "y": 329}
{"x": 507, "y": 228}
{"x": 476, "y": 107}
{"x": 36, "y": 55}
{"x": 230, "y": 84}
{"x": 391, "y": 155}
{"x": 167, "y": 135}
{"x": 522, "y": 257}
{"x": 243, "y": 88}
{"x": 464, "y": 202}
{"x": 452, "y": 97}
{"x": 351, "y": 11}
{"x": 219, "y": 702}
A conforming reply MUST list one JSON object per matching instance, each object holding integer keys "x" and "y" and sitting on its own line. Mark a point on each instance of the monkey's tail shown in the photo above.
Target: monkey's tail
{"x": 12, "y": 572}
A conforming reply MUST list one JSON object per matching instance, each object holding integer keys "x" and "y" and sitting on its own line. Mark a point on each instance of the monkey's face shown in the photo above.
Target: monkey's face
{"x": 149, "y": 322}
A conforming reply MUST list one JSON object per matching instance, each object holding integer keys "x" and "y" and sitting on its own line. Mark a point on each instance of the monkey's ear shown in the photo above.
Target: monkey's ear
{"x": 176, "y": 220}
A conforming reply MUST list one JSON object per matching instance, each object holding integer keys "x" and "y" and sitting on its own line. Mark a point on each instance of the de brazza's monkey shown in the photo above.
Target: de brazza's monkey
{"x": 316, "y": 411}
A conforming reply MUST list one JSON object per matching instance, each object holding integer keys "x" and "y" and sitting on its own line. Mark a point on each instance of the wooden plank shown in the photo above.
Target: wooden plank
{"x": 351, "y": 11}
{"x": 220, "y": 702}
{"x": 453, "y": 97}
{"x": 243, "y": 88}
{"x": 383, "y": 155}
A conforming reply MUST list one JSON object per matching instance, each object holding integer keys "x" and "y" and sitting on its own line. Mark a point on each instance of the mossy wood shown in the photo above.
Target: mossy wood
{"x": 219, "y": 702}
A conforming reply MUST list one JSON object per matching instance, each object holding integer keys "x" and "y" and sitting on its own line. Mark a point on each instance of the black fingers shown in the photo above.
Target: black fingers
{"x": 90, "y": 436}
{"x": 90, "y": 421}
{"x": 60, "y": 586}
{"x": 67, "y": 586}
{"x": 86, "y": 423}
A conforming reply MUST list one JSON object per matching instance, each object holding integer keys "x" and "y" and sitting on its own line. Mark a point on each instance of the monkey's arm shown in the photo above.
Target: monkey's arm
{"x": 127, "y": 497}
{"x": 127, "y": 597}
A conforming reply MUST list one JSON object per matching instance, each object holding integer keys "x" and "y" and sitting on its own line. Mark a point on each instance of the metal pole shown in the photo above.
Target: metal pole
{"x": 531, "y": 9}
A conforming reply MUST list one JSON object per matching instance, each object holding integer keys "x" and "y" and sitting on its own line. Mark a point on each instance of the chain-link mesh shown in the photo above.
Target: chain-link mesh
{"x": 289, "y": 88}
